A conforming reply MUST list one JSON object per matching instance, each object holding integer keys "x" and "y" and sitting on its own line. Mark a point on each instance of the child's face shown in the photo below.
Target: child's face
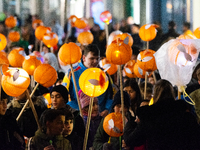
{"x": 68, "y": 128}
{"x": 118, "y": 109}
{"x": 95, "y": 108}
{"x": 57, "y": 100}
{"x": 131, "y": 92}
{"x": 3, "y": 106}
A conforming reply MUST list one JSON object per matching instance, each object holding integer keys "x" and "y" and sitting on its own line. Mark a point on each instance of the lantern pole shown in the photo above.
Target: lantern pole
{"x": 179, "y": 94}
{"x": 41, "y": 43}
{"x": 76, "y": 90}
{"x": 145, "y": 86}
{"x": 32, "y": 82}
{"x": 107, "y": 34}
{"x": 88, "y": 123}
{"x": 154, "y": 77}
{"x": 36, "y": 44}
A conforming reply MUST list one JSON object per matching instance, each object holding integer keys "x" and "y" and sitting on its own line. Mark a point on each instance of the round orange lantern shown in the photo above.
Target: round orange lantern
{"x": 113, "y": 125}
{"x": 104, "y": 63}
{"x": 36, "y": 23}
{"x": 50, "y": 39}
{"x": 45, "y": 75}
{"x": 197, "y": 32}
{"x": 4, "y": 61}
{"x": 15, "y": 81}
{"x": 138, "y": 71}
{"x": 85, "y": 38}
{"x": 148, "y": 32}
{"x": 14, "y": 36}
{"x": 113, "y": 35}
{"x": 123, "y": 36}
{"x": 106, "y": 17}
{"x": 15, "y": 59}
{"x": 11, "y": 22}
{"x": 30, "y": 64}
{"x": 93, "y": 82}
{"x": 69, "y": 53}
{"x": 72, "y": 20}
{"x": 128, "y": 69}
{"x": 146, "y": 60}
{"x": 80, "y": 23}
{"x": 40, "y": 31}
{"x": 119, "y": 52}
{"x": 3, "y": 42}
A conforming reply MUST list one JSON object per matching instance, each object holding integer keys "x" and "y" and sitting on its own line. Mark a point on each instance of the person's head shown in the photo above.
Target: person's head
{"x": 52, "y": 122}
{"x": 68, "y": 127}
{"x": 45, "y": 49}
{"x": 186, "y": 26}
{"x": 50, "y": 58}
{"x": 60, "y": 78}
{"x": 91, "y": 56}
{"x": 59, "y": 96}
{"x": 3, "y": 102}
{"x": 116, "y": 25}
{"x": 116, "y": 105}
{"x": 149, "y": 90}
{"x": 135, "y": 28}
{"x": 171, "y": 25}
{"x": 163, "y": 89}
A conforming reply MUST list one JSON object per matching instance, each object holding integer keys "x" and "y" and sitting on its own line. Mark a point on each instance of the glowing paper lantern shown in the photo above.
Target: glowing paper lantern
{"x": 45, "y": 75}
{"x": 72, "y": 20}
{"x": 113, "y": 35}
{"x": 30, "y": 64}
{"x": 80, "y": 23}
{"x": 93, "y": 82}
{"x": 40, "y": 31}
{"x": 119, "y": 52}
{"x": 16, "y": 59}
{"x": 146, "y": 60}
{"x": 197, "y": 32}
{"x": 104, "y": 63}
{"x": 85, "y": 38}
{"x": 3, "y": 42}
{"x": 113, "y": 125}
{"x": 15, "y": 81}
{"x": 37, "y": 23}
{"x": 123, "y": 36}
{"x": 14, "y": 36}
{"x": 11, "y": 22}
{"x": 106, "y": 17}
{"x": 69, "y": 53}
{"x": 148, "y": 32}
{"x": 128, "y": 69}
{"x": 50, "y": 39}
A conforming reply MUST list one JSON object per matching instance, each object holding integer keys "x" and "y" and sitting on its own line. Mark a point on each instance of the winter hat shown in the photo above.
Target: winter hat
{"x": 85, "y": 99}
{"x": 117, "y": 100}
{"x": 62, "y": 90}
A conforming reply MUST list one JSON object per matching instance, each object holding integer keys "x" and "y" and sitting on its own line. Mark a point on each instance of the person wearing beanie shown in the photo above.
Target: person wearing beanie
{"x": 59, "y": 99}
{"x": 101, "y": 138}
{"x": 95, "y": 117}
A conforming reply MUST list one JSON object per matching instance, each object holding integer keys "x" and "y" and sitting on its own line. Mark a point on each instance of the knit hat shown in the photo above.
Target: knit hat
{"x": 85, "y": 99}
{"x": 62, "y": 90}
{"x": 117, "y": 100}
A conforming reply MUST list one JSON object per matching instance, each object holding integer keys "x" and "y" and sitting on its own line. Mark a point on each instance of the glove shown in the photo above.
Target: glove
{"x": 107, "y": 146}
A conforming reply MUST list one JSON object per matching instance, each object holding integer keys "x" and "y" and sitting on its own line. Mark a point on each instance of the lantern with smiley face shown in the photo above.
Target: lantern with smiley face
{"x": 50, "y": 39}
{"x": 3, "y": 42}
{"x": 15, "y": 81}
{"x": 15, "y": 58}
{"x": 109, "y": 67}
{"x": 85, "y": 38}
{"x": 112, "y": 124}
{"x": 14, "y": 36}
{"x": 106, "y": 17}
{"x": 11, "y": 22}
{"x": 148, "y": 32}
{"x": 128, "y": 69}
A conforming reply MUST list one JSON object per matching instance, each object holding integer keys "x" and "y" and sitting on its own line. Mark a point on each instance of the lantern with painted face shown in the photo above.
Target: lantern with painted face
{"x": 50, "y": 39}
{"x": 80, "y": 23}
{"x": 3, "y": 42}
{"x": 11, "y": 22}
{"x": 4, "y": 61}
{"x": 85, "y": 38}
{"x": 14, "y": 36}
{"x": 106, "y": 65}
{"x": 123, "y": 36}
{"x": 15, "y": 58}
{"x": 106, "y": 17}
{"x": 148, "y": 32}
{"x": 113, "y": 35}
{"x": 72, "y": 20}
{"x": 40, "y": 31}
{"x": 128, "y": 69}
{"x": 36, "y": 23}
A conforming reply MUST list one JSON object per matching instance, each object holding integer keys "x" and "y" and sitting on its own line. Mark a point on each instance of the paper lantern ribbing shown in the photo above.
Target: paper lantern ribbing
{"x": 30, "y": 64}
{"x": 80, "y": 23}
{"x": 50, "y": 39}
{"x": 11, "y": 22}
{"x": 148, "y": 32}
{"x": 3, "y": 42}
{"x": 16, "y": 59}
{"x": 197, "y": 32}
{"x": 106, "y": 17}
{"x": 104, "y": 63}
{"x": 85, "y": 38}
{"x": 45, "y": 75}
{"x": 37, "y": 23}
{"x": 15, "y": 81}
{"x": 72, "y": 20}
{"x": 69, "y": 53}
{"x": 123, "y": 36}
{"x": 93, "y": 82}
{"x": 14, "y": 36}
{"x": 128, "y": 69}
{"x": 146, "y": 60}
{"x": 113, "y": 125}
{"x": 40, "y": 31}
{"x": 119, "y": 52}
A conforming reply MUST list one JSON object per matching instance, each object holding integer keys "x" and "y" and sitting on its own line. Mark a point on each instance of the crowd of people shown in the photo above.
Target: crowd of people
{"x": 169, "y": 124}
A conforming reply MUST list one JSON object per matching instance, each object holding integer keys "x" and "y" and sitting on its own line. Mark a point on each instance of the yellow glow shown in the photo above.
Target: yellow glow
{"x": 32, "y": 67}
{"x": 117, "y": 52}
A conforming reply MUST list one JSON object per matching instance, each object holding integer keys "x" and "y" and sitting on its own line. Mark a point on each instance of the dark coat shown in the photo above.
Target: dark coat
{"x": 76, "y": 141}
{"x": 165, "y": 126}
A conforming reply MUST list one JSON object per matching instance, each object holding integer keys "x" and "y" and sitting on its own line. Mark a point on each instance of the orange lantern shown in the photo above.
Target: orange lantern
{"x": 69, "y": 53}
{"x": 50, "y": 39}
{"x": 119, "y": 52}
{"x": 93, "y": 82}
{"x": 139, "y": 72}
{"x": 106, "y": 17}
{"x": 40, "y": 31}
{"x": 104, "y": 63}
{"x": 47, "y": 96}
{"x": 11, "y": 22}
{"x": 128, "y": 69}
{"x": 113, "y": 35}
{"x": 30, "y": 64}
{"x": 197, "y": 32}
{"x": 113, "y": 125}
{"x": 15, "y": 59}
{"x": 123, "y": 36}
{"x": 146, "y": 60}
{"x": 80, "y": 23}
{"x": 148, "y": 32}
{"x": 73, "y": 19}
{"x": 15, "y": 81}
{"x": 4, "y": 61}
{"x": 85, "y": 38}
{"x": 3, "y": 42}
{"x": 36, "y": 23}
{"x": 14, "y": 36}
{"x": 186, "y": 36}
{"x": 45, "y": 75}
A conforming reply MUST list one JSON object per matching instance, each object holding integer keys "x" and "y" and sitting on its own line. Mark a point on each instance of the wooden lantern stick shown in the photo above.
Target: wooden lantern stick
{"x": 145, "y": 86}
{"x": 32, "y": 82}
{"x": 41, "y": 43}
{"x": 76, "y": 90}
{"x": 106, "y": 29}
{"x": 154, "y": 77}
{"x": 51, "y": 49}
{"x": 179, "y": 94}
{"x": 122, "y": 96}
{"x": 139, "y": 80}
{"x": 27, "y": 102}
{"x": 36, "y": 44}
{"x": 88, "y": 123}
